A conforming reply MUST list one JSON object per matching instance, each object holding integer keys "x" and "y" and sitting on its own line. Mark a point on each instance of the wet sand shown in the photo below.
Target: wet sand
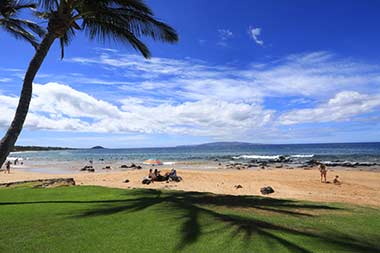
{"x": 358, "y": 187}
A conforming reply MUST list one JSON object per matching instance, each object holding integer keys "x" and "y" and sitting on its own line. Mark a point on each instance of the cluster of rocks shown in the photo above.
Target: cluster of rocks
{"x": 336, "y": 163}
{"x": 241, "y": 166}
{"x": 88, "y": 168}
{"x": 287, "y": 163}
{"x": 259, "y": 163}
{"x": 43, "y": 183}
{"x": 349, "y": 164}
{"x": 132, "y": 166}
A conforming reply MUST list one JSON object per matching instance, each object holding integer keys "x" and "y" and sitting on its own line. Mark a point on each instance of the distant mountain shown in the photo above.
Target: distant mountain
{"x": 98, "y": 147}
{"x": 221, "y": 144}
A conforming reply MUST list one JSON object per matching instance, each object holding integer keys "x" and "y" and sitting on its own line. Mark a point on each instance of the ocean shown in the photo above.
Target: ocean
{"x": 299, "y": 153}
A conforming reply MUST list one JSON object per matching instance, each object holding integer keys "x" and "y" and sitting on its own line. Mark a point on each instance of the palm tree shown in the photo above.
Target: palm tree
{"x": 19, "y": 28}
{"x": 121, "y": 20}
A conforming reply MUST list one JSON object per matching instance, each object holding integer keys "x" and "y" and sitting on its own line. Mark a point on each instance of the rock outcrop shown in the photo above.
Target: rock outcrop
{"x": 266, "y": 190}
{"x": 42, "y": 183}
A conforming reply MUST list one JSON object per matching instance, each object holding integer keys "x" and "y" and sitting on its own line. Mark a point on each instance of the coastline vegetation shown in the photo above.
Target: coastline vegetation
{"x": 38, "y": 148}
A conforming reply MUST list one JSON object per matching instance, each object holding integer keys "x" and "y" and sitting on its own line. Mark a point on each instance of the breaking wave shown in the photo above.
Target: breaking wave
{"x": 264, "y": 157}
{"x": 302, "y": 156}
{"x": 270, "y": 157}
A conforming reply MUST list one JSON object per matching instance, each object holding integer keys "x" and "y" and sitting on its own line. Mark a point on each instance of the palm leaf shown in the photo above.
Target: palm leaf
{"x": 126, "y": 21}
{"x": 31, "y": 25}
{"x": 104, "y": 30}
{"x": 19, "y": 28}
{"x": 18, "y": 31}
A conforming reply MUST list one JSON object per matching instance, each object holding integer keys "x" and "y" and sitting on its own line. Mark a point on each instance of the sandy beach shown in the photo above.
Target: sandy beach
{"x": 358, "y": 187}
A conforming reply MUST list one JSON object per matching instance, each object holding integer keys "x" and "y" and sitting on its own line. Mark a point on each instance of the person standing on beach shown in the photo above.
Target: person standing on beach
{"x": 323, "y": 170}
{"x": 8, "y": 167}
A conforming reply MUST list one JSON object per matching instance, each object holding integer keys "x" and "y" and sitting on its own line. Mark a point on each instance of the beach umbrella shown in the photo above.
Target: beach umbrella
{"x": 152, "y": 162}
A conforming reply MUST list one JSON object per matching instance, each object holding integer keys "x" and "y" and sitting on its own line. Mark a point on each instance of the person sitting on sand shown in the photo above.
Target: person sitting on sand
{"x": 159, "y": 177}
{"x": 323, "y": 170}
{"x": 336, "y": 180}
{"x": 172, "y": 175}
{"x": 152, "y": 175}
{"x": 8, "y": 167}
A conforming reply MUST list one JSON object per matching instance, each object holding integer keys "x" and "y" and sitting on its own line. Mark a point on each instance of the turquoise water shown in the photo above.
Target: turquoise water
{"x": 355, "y": 152}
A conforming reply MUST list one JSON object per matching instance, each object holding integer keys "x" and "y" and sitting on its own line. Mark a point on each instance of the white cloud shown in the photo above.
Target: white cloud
{"x": 5, "y": 80}
{"x": 224, "y": 36}
{"x": 203, "y": 117}
{"x": 344, "y": 106}
{"x": 315, "y": 75}
{"x": 59, "y": 107}
{"x": 255, "y": 33}
{"x": 187, "y": 96}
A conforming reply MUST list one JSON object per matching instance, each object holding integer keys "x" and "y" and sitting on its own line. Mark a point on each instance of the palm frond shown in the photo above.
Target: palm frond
{"x": 19, "y": 28}
{"x": 65, "y": 40}
{"x": 31, "y": 25}
{"x": 135, "y": 5}
{"x": 138, "y": 5}
{"x": 49, "y": 4}
{"x": 25, "y": 5}
{"x": 11, "y": 7}
{"x": 18, "y": 32}
{"x": 126, "y": 24}
{"x": 104, "y": 30}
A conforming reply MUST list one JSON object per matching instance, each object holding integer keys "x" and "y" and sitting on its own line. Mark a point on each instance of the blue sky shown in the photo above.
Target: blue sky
{"x": 257, "y": 71}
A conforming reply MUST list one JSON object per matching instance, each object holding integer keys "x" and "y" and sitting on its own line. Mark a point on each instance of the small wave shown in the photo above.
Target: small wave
{"x": 12, "y": 159}
{"x": 302, "y": 156}
{"x": 270, "y": 157}
{"x": 266, "y": 157}
{"x": 168, "y": 163}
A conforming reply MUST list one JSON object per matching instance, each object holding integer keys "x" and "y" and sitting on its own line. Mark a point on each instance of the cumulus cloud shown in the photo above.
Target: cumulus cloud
{"x": 255, "y": 34}
{"x": 342, "y": 107}
{"x": 59, "y": 107}
{"x": 59, "y": 99}
{"x": 189, "y": 96}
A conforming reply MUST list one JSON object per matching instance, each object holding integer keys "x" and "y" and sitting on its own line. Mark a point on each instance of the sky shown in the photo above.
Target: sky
{"x": 254, "y": 71}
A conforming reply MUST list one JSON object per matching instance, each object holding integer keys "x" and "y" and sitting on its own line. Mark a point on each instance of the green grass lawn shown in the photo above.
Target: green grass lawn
{"x": 96, "y": 219}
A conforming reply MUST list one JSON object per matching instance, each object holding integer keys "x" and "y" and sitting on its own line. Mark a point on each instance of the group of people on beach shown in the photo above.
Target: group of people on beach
{"x": 156, "y": 176}
{"x": 323, "y": 171}
{"x": 8, "y": 164}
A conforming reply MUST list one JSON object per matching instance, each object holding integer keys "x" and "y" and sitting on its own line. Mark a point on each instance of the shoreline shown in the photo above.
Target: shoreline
{"x": 358, "y": 187}
{"x": 63, "y": 167}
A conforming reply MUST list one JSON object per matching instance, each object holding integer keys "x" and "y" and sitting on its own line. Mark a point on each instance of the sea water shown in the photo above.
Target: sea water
{"x": 352, "y": 152}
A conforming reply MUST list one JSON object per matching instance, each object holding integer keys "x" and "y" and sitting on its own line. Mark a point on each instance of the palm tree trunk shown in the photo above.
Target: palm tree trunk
{"x": 10, "y": 138}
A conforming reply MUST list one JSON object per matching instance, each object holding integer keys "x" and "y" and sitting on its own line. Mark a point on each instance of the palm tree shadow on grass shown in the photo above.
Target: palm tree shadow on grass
{"x": 193, "y": 205}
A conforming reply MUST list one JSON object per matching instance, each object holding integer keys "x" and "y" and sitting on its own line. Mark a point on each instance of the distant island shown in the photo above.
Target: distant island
{"x": 98, "y": 147}
{"x": 38, "y": 148}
